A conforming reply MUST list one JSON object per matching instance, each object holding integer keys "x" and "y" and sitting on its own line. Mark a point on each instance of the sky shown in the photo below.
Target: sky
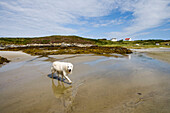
{"x": 137, "y": 19}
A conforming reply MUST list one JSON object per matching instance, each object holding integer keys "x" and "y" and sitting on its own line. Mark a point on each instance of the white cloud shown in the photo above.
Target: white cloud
{"x": 49, "y": 16}
{"x": 139, "y": 34}
{"x": 108, "y": 22}
{"x": 147, "y": 14}
{"x": 167, "y": 29}
{"x": 42, "y": 17}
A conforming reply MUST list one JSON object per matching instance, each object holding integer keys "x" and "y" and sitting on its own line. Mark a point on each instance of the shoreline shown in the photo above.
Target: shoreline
{"x": 162, "y": 54}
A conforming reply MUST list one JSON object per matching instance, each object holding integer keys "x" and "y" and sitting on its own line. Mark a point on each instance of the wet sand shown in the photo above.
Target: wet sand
{"x": 134, "y": 84}
{"x": 162, "y": 54}
{"x": 16, "y": 56}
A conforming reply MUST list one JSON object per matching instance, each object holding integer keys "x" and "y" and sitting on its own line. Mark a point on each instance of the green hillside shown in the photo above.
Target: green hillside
{"x": 48, "y": 40}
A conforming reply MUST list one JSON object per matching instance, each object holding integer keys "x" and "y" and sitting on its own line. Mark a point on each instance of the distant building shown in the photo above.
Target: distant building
{"x": 114, "y": 39}
{"x": 128, "y": 39}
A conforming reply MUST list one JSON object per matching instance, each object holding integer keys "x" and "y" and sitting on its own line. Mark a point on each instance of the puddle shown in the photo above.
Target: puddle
{"x": 15, "y": 65}
{"x": 52, "y": 58}
{"x": 103, "y": 59}
{"x": 11, "y": 66}
{"x": 98, "y": 61}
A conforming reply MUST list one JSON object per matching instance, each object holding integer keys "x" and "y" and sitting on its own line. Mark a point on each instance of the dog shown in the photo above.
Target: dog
{"x": 62, "y": 68}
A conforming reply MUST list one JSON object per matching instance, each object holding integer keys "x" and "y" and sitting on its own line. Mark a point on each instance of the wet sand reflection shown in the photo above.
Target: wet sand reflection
{"x": 63, "y": 93}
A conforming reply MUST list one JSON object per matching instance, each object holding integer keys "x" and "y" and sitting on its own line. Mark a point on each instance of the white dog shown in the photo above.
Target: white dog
{"x": 62, "y": 68}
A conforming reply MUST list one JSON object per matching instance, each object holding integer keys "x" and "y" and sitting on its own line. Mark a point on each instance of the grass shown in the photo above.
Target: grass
{"x": 138, "y": 44}
{"x": 47, "y": 40}
{"x": 138, "y": 47}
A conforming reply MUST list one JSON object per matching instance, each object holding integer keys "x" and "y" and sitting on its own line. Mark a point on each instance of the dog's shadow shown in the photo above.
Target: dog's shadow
{"x": 54, "y": 76}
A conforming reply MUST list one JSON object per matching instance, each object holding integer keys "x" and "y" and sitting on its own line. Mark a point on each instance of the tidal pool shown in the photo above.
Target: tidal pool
{"x": 134, "y": 83}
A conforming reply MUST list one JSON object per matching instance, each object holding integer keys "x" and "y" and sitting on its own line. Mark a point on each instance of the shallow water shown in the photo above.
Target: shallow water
{"x": 116, "y": 85}
{"x": 131, "y": 84}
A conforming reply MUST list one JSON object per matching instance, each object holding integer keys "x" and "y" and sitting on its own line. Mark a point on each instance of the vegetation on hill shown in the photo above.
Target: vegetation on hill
{"x": 19, "y": 41}
{"x": 60, "y": 39}
{"x": 141, "y": 43}
{"x": 81, "y": 40}
{"x": 56, "y": 39}
{"x": 77, "y": 39}
{"x": 48, "y": 40}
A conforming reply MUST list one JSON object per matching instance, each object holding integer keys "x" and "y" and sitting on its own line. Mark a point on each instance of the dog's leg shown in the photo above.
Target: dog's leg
{"x": 53, "y": 71}
{"x": 65, "y": 75}
{"x": 62, "y": 77}
{"x": 58, "y": 75}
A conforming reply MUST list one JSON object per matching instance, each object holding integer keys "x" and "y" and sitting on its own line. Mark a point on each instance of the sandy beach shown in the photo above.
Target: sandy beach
{"x": 133, "y": 84}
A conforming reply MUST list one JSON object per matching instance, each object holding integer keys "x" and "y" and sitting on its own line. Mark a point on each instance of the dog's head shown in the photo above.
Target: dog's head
{"x": 69, "y": 67}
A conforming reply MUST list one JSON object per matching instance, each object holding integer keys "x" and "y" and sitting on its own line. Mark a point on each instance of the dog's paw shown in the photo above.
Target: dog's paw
{"x": 70, "y": 82}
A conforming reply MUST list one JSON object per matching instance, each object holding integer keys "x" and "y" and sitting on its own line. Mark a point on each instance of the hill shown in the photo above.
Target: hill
{"x": 48, "y": 40}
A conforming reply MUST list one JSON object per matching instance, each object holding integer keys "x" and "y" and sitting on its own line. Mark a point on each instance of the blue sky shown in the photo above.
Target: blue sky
{"x": 138, "y": 19}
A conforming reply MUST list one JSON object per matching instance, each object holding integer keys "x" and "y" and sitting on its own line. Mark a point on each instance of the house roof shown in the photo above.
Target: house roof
{"x": 127, "y": 38}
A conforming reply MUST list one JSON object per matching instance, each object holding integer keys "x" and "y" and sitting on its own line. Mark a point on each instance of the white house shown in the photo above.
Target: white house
{"x": 114, "y": 39}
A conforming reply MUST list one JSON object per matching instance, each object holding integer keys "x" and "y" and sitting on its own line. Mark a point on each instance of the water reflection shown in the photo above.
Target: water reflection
{"x": 63, "y": 93}
{"x": 111, "y": 57}
{"x": 129, "y": 56}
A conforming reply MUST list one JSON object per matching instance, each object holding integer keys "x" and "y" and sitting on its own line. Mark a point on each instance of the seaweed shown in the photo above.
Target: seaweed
{"x": 77, "y": 50}
{"x": 3, "y": 60}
